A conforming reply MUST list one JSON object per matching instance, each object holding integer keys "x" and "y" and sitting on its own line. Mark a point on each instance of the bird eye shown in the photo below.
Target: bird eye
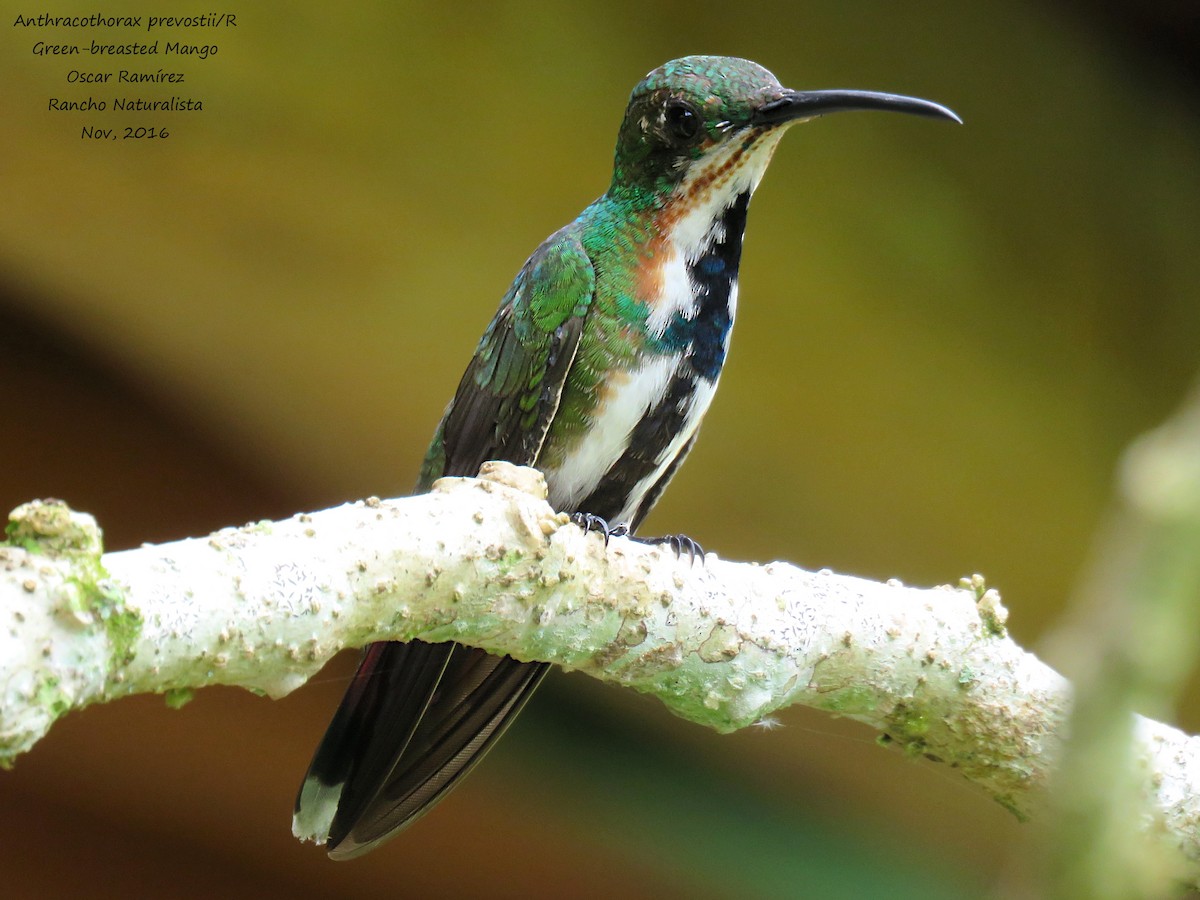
{"x": 682, "y": 121}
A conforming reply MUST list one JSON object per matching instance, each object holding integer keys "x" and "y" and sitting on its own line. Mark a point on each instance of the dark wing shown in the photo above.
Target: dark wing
{"x": 418, "y": 716}
{"x": 511, "y": 390}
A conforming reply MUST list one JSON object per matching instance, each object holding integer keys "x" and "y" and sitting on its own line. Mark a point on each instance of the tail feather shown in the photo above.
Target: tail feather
{"x": 416, "y": 718}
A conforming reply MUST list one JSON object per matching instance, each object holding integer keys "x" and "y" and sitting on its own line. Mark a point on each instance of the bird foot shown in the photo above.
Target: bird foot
{"x": 589, "y": 523}
{"x": 680, "y": 543}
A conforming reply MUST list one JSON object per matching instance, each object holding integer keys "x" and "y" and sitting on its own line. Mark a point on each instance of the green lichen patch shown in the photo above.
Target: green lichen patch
{"x": 909, "y": 726}
{"x": 53, "y": 528}
{"x": 992, "y": 613}
{"x": 52, "y": 701}
{"x": 510, "y": 560}
{"x": 854, "y": 700}
{"x": 177, "y": 698}
{"x": 122, "y": 624}
{"x": 50, "y": 697}
{"x": 95, "y": 595}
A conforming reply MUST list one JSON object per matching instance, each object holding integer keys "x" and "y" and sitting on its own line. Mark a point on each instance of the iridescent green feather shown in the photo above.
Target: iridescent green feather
{"x": 509, "y": 395}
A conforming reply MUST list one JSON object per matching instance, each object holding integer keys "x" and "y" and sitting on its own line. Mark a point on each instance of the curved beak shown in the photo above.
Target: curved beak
{"x": 795, "y": 105}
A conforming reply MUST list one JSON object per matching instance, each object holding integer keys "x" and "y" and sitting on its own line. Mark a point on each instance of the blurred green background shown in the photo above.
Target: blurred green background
{"x": 945, "y": 337}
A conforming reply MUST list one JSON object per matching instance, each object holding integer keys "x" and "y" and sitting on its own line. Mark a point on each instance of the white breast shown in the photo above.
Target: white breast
{"x": 627, "y": 399}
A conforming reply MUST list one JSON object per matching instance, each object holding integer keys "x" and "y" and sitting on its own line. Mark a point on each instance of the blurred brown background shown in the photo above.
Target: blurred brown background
{"x": 946, "y": 336}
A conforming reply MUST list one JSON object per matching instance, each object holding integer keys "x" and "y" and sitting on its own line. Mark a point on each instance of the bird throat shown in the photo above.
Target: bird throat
{"x": 689, "y": 280}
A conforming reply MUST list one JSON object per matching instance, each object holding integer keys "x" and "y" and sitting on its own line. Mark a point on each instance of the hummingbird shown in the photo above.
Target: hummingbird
{"x": 597, "y": 369}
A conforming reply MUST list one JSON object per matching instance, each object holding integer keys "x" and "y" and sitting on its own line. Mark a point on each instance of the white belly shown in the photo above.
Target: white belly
{"x": 626, "y": 404}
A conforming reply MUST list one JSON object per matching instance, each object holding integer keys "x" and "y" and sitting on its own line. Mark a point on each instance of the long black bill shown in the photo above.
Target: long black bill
{"x": 808, "y": 104}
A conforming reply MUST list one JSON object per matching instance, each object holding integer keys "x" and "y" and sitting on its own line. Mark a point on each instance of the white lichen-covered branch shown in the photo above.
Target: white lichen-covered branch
{"x": 486, "y": 562}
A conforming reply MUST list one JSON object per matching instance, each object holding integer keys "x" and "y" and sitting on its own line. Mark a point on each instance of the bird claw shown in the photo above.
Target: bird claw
{"x": 680, "y": 543}
{"x": 589, "y": 522}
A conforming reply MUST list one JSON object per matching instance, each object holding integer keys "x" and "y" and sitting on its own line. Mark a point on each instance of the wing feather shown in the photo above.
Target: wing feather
{"x": 417, "y": 717}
